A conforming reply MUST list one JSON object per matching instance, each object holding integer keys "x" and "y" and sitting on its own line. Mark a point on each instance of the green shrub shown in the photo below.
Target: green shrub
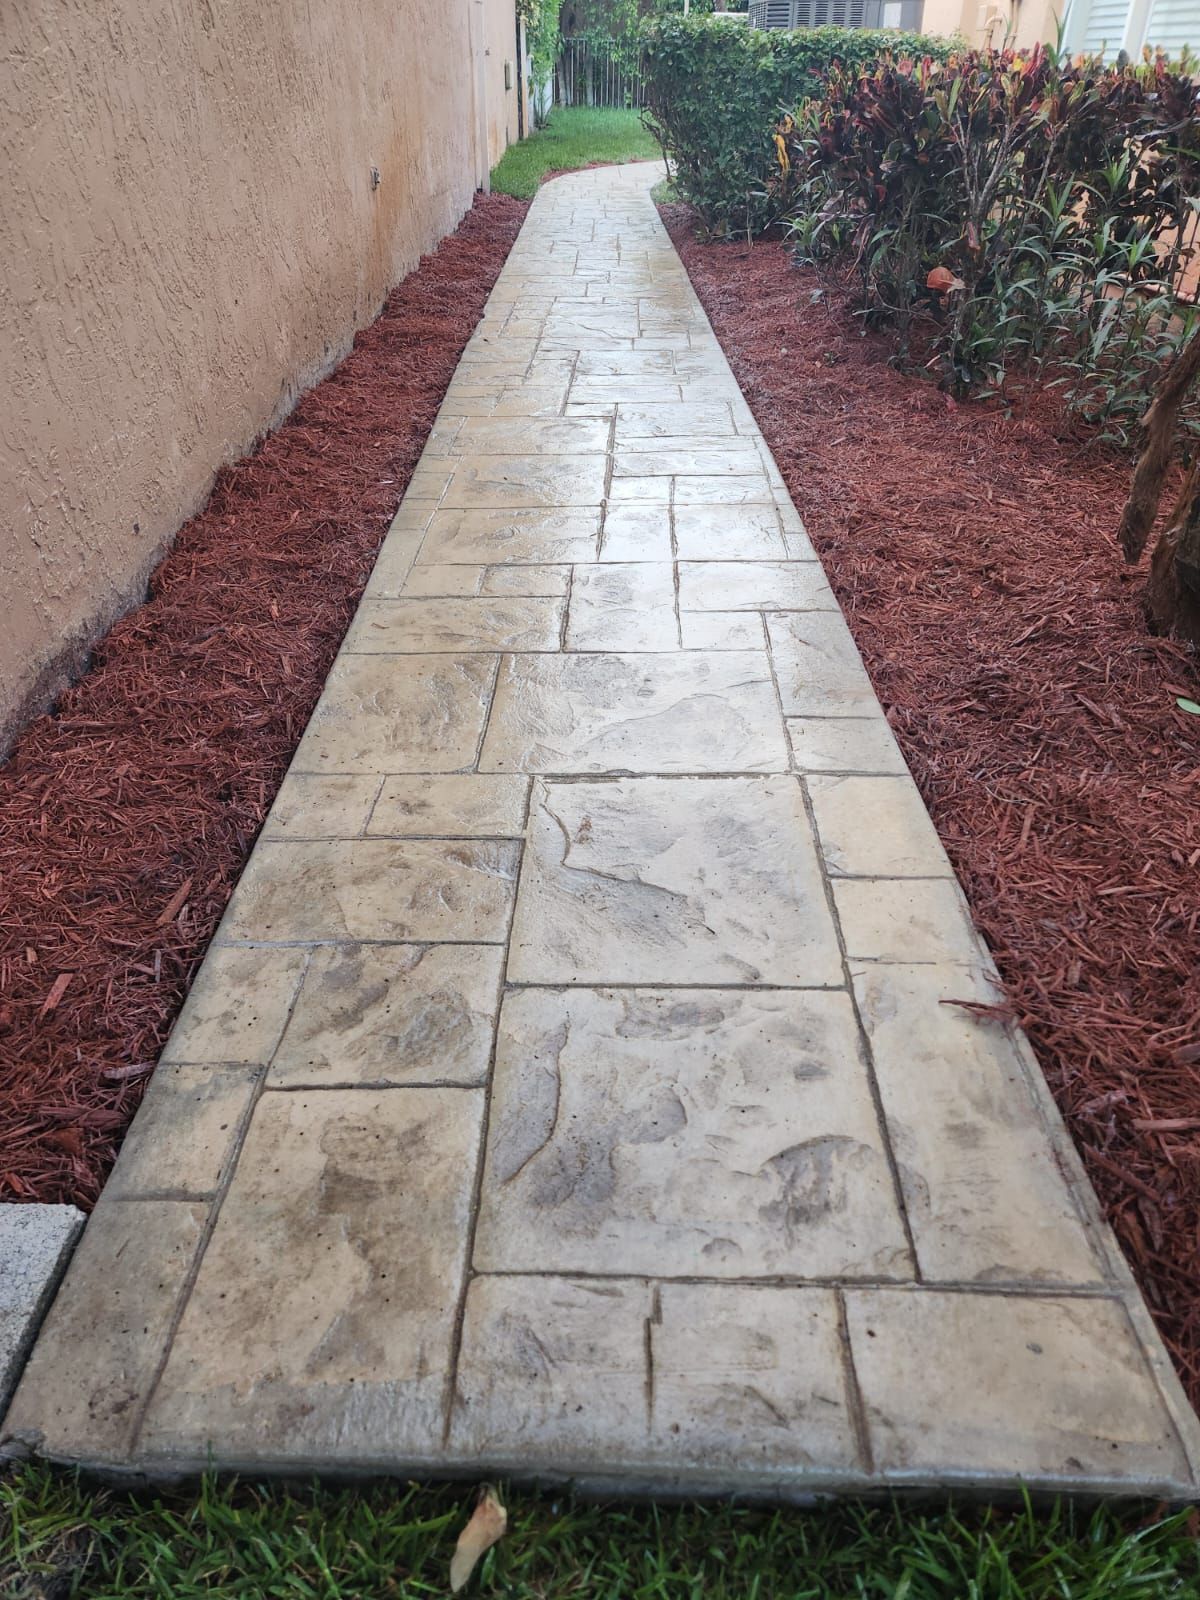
{"x": 1028, "y": 208}
{"x": 715, "y": 90}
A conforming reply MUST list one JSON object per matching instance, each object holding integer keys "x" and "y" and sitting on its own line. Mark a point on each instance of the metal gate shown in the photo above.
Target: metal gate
{"x": 588, "y": 74}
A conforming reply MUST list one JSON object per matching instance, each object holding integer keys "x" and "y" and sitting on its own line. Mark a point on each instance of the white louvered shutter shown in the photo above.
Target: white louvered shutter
{"x": 1104, "y": 29}
{"x": 1174, "y": 24}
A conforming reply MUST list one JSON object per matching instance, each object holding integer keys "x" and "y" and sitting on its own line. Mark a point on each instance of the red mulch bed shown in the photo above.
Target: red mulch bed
{"x": 127, "y": 814}
{"x": 976, "y": 561}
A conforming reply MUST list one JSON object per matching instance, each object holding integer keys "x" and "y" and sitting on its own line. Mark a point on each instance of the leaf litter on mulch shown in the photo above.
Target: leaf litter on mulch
{"x": 976, "y": 561}
{"x": 127, "y": 814}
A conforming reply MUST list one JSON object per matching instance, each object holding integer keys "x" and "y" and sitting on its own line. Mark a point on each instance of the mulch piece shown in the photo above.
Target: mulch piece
{"x": 127, "y": 814}
{"x": 976, "y": 560}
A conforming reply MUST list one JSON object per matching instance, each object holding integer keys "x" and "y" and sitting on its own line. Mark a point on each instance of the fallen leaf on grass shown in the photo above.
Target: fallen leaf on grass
{"x": 489, "y": 1522}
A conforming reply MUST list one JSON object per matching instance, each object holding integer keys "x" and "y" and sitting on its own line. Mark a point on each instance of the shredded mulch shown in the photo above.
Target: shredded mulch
{"x": 127, "y": 814}
{"x": 976, "y": 560}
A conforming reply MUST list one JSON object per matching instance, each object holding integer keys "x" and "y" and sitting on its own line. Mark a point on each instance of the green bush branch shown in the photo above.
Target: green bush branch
{"x": 715, "y": 89}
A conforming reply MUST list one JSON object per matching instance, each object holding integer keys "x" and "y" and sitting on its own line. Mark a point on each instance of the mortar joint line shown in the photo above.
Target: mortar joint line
{"x": 864, "y": 1040}
{"x": 191, "y": 1277}
{"x": 450, "y": 1390}
{"x": 855, "y": 1404}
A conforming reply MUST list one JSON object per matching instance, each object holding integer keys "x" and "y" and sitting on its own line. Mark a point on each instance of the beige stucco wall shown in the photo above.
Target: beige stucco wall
{"x": 980, "y": 22}
{"x": 502, "y": 101}
{"x": 189, "y": 237}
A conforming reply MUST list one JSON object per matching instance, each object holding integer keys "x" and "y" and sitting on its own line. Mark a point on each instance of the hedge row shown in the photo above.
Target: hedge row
{"x": 715, "y": 90}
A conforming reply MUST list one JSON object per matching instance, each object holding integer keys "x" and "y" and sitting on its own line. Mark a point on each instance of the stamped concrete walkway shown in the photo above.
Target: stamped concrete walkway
{"x": 579, "y": 1082}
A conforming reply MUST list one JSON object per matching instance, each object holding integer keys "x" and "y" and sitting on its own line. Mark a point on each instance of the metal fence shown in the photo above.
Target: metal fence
{"x": 587, "y": 74}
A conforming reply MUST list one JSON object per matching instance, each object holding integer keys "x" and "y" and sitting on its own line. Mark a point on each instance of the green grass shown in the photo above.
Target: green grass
{"x": 574, "y": 137}
{"x": 60, "y": 1537}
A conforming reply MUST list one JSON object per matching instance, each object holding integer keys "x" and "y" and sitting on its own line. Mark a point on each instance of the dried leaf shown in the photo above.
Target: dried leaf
{"x": 943, "y": 280}
{"x": 133, "y": 1069}
{"x": 488, "y": 1523}
{"x": 68, "y": 1139}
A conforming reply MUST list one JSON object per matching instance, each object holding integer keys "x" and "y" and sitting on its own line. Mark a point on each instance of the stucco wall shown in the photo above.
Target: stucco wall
{"x": 189, "y": 237}
{"x": 1024, "y": 22}
{"x": 502, "y": 102}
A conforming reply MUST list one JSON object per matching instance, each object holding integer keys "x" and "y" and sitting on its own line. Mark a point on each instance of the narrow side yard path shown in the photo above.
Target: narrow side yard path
{"x": 593, "y": 1073}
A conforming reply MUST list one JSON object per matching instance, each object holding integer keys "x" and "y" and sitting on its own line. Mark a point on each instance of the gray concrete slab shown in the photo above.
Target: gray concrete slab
{"x": 35, "y": 1244}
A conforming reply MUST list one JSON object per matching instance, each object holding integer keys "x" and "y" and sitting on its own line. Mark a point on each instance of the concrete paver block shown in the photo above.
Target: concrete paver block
{"x": 406, "y": 889}
{"x": 624, "y": 606}
{"x": 905, "y": 919}
{"x": 392, "y": 1014}
{"x": 612, "y": 712}
{"x": 407, "y": 713}
{"x": 449, "y": 626}
{"x": 987, "y": 1198}
{"x": 552, "y": 1374}
{"x": 528, "y": 535}
{"x": 540, "y": 580}
{"x": 493, "y": 482}
{"x": 35, "y": 1245}
{"x": 309, "y": 806}
{"x": 672, "y": 880}
{"x": 185, "y": 1132}
{"x": 819, "y": 668}
{"x": 722, "y": 1132}
{"x": 636, "y": 533}
{"x": 876, "y": 827}
{"x": 636, "y": 421}
{"x": 363, "y": 1197}
{"x": 844, "y": 744}
{"x": 237, "y": 1007}
{"x": 466, "y": 805}
{"x": 727, "y": 533}
{"x": 754, "y": 586}
{"x": 523, "y": 436}
{"x": 96, "y": 1357}
{"x": 675, "y": 458}
{"x": 721, "y": 630}
{"x": 1053, "y": 1388}
{"x": 752, "y": 1382}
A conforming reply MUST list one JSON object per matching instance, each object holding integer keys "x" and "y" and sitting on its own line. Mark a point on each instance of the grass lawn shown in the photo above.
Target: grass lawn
{"x": 60, "y": 1537}
{"x": 574, "y": 137}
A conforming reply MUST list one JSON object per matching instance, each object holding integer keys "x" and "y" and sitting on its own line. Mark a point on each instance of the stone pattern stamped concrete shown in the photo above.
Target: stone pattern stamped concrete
{"x": 580, "y": 1083}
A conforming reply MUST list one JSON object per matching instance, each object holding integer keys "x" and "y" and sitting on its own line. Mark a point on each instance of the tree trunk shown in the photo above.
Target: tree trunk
{"x": 1173, "y": 592}
{"x": 1158, "y": 427}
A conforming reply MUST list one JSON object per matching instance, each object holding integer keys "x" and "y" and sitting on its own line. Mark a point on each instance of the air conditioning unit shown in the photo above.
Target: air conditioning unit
{"x": 835, "y": 13}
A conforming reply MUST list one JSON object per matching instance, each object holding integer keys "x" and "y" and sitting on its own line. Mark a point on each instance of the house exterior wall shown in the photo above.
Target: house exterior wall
{"x": 1092, "y": 25}
{"x": 990, "y": 21}
{"x": 501, "y": 35}
{"x": 191, "y": 237}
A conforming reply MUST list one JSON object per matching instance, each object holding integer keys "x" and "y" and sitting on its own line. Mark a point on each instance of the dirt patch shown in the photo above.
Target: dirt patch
{"x": 975, "y": 558}
{"x": 127, "y": 814}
